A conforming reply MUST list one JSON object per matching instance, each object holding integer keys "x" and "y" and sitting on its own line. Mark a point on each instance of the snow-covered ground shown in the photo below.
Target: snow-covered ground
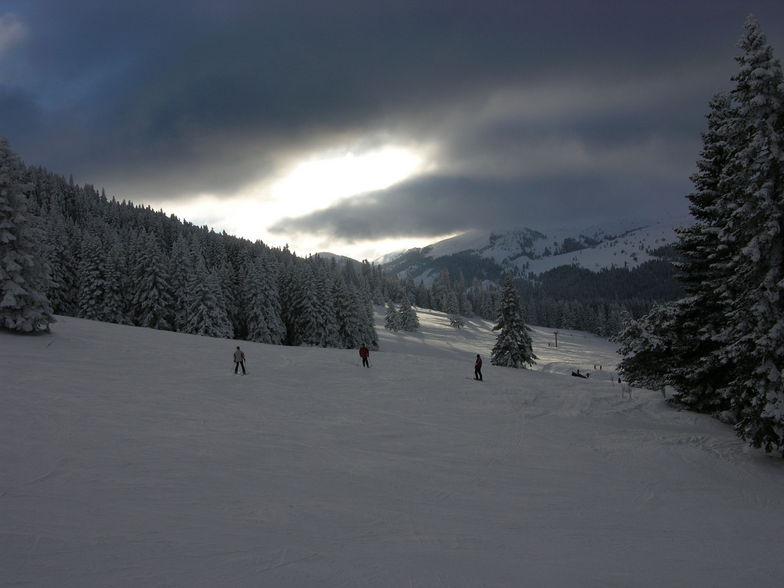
{"x": 133, "y": 457}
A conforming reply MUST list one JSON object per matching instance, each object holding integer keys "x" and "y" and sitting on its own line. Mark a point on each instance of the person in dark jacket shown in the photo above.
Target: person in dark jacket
{"x": 478, "y": 368}
{"x": 364, "y": 353}
{"x": 239, "y": 360}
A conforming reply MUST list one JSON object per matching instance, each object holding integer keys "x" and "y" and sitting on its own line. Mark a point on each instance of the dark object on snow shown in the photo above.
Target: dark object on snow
{"x": 577, "y": 374}
{"x": 239, "y": 360}
{"x": 478, "y": 368}
{"x": 364, "y": 352}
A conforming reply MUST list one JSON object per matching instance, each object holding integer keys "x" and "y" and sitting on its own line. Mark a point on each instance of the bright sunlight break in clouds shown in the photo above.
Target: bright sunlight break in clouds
{"x": 314, "y": 183}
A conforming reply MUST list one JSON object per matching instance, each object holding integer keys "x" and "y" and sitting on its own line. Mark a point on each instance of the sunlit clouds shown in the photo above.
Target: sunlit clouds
{"x": 313, "y": 183}
{"x": 323, "y": 179}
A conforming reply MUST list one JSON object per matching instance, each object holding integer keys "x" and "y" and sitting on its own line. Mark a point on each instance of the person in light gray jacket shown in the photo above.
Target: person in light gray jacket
{"x": 239, "y": 360}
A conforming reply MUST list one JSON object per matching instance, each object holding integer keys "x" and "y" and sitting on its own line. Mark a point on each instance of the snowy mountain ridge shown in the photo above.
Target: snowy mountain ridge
{"x": 626, "y": 243}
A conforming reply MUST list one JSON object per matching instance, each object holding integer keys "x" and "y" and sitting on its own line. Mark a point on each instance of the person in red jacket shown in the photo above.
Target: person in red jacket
{"x": 478, "y": 368}
{"x": 364, "y": 353}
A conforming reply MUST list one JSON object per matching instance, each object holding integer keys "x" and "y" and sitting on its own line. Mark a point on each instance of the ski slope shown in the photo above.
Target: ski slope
{"x": 133, "y": 457}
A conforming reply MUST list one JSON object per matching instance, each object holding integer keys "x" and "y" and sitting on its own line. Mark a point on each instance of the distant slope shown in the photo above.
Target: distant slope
{"x": 526, "y": 251}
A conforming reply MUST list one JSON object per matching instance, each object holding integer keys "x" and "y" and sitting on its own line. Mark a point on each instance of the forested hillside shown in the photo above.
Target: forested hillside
{"x": 121, "y": 263}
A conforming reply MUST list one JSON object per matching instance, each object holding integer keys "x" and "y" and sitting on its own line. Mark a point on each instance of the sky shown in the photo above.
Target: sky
{"x": 362, "y": 127}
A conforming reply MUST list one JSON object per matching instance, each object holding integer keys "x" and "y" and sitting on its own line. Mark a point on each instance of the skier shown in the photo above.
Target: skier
{"x": 239, "y": 360}
{"x": 364, "y": 352}
{"x": 478, "y": 368}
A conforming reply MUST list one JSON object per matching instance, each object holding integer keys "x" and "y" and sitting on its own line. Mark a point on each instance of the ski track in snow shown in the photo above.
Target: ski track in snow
{"x": 134, "y": 457}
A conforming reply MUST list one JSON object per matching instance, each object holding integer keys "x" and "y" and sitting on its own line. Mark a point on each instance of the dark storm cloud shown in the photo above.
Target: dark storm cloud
{"x": 20, "y": 113}
{"x": 525, "y": 100}
{"x": 450, "y": 204}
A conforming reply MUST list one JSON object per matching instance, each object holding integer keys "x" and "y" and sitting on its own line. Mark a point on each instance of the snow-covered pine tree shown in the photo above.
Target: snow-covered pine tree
{"x": 440, "y": 290}
{"x": 23, "y": 274}
{"x": 391, "y": 318}
{"x": 152, "y": 302}
{"x": 466, "y": 308}
{"x": 206, "y": 314}
{"x": 408, "y": 288}
{"x": 364, "y": 304}
{"x": 422, "y": 298}
{"x": 409, "y": 321}
{"x": 755, "y": 227}
{"x": 92, "y": 282}
{"x": 310, "y": 309}
{"x": 229, "y": 293}
{"x": 349, "y": 313}
{"x": 723, "y": 342}
{"x": 115, "y": 274}
{"x": 180, "y": 274}
{"x": 59, "y": 251}
{"x": 262, "y": 301}
{"x": 649, "y": 347}
{"x": 568, "y": 315}
{"x": 695, "y": 368}
{"x": 615, "y": 320}
{"x": 326, "y": 332}
{"x": 452, "y": 309}
{"x": 513, "y": 346}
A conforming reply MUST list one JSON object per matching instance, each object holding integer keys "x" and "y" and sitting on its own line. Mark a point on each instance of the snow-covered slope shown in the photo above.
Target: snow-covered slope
{"x": 133, "y": 457}
{"x": 613, "y": 244}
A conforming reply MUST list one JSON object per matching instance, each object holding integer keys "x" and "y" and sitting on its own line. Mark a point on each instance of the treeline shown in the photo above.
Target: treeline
{"x": 563, "y": 298}
{"x": 128, "y": 264}
{"x": 651, "y": 280}
{"x": 571, "y": 297}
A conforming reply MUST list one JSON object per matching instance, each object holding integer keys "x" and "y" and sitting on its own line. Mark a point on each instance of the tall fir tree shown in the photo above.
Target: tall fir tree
{"x": 312, "y": 319}
{"x": 391, "y": 318}
{"x": 696, "y": 370}
{"x": 262, "y": 301}
{"x": 206, "y": 313}
{"x": 92, "y": 281}
{"x": 349, "y": 313}
{"x": 61, "y": 257}
{"x": 116, "y": 286}
{"x": 408, "y": 319}
{"x": 755, "y": 228}
{"x": 181, "y": 271}
{"x": 513, "y": 346}
{"x": 152, "y": 301}
{"x": 368, "y": 334}
{"x": 24, "y": 275}
{"x": 724, "y": 340}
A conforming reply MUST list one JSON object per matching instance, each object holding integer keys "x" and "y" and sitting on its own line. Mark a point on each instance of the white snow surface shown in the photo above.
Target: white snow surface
{"x": 135, "y": 457}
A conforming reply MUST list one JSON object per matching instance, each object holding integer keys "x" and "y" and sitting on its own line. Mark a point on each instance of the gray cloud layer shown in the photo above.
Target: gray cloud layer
{"x": 443, "y": 205}
{"x": 540, "y": 109}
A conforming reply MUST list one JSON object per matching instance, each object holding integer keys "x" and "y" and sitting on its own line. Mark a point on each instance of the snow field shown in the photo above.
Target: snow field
{"x": 133, "y": 457}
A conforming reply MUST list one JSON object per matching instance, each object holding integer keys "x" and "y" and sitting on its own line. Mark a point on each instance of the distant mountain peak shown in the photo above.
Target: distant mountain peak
{"x": 523, "y": 250}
